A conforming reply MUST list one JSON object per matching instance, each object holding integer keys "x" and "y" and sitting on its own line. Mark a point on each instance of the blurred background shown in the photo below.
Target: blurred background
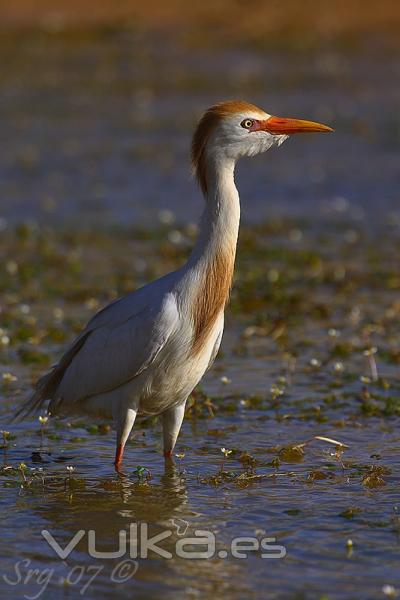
{"x": 99, "y": 100}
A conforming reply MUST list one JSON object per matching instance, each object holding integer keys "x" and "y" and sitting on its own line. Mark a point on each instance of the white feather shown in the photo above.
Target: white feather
{"x": 134, "y": 357}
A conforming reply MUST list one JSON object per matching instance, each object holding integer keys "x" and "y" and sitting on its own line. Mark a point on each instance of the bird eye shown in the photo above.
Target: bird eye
{"x": 247, "y": 123}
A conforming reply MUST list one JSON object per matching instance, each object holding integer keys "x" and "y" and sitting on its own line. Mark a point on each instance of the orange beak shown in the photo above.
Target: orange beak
{"x": 283, "y": 126}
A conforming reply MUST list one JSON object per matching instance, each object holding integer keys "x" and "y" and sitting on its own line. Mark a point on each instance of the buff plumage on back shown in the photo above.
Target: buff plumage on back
{"x": 208, "y": 122}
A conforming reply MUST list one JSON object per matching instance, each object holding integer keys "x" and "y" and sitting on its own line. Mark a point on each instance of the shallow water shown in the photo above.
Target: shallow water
{"x": 98, "y": 130}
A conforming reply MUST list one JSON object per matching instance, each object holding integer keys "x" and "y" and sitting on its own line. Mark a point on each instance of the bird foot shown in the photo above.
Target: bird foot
{"x": 118, "y": 458}
{"x": 118, "y": 467}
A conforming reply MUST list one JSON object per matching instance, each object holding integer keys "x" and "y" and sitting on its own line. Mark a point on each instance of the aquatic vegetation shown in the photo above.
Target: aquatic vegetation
{"x": 6, "y": 437}
{"x": 298, "y": 408}
{"x": 374, "y": 476}
{"x": 143, "y": 474}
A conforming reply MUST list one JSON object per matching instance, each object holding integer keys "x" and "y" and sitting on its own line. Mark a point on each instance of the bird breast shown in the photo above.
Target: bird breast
{"x": 177, "y": 370}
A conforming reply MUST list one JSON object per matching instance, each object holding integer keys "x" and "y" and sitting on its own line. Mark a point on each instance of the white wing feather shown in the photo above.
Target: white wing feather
{"x": 117, "y": 344}
{"x": 116, "y": 353}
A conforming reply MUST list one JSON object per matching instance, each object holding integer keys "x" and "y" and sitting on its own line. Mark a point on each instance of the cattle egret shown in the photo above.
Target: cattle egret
{"x": 143, "y": 354}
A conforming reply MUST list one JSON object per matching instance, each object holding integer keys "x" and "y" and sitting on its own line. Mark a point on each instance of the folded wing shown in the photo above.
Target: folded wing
{"x": 118, "y": 344}
{"x": 113, "y": 355}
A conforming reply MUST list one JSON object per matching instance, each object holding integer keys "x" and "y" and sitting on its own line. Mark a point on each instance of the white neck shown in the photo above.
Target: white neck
{"x": 210, "y": 266}
{"x": 219, "y": 225}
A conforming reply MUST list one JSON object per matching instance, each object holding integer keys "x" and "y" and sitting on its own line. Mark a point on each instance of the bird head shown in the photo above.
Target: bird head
{"x": 232, "y": 129}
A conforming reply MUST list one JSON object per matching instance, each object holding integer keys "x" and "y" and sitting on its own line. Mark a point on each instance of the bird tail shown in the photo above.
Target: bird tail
{"x": 46, "y": 387}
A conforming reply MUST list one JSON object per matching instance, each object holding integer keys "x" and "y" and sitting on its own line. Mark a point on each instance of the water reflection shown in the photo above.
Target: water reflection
{"x": 109, "y": 504}
{"x": 121, "y": 504}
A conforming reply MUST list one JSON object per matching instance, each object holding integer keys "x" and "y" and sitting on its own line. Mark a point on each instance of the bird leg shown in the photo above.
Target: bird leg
{"x": 171, "y": 422}
{"x": 125, "y": 421}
